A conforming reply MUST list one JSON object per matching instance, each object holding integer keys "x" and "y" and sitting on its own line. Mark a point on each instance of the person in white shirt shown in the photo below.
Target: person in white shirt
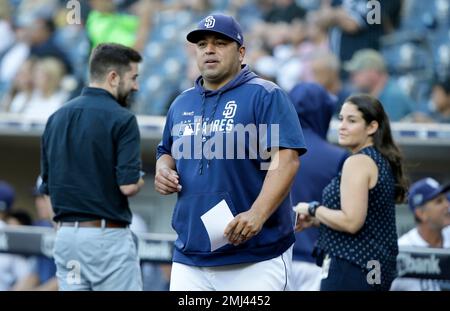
{"x": 48, "y": 94}
{"x": 429, "y": 202}
{"x": 12, "y": 267}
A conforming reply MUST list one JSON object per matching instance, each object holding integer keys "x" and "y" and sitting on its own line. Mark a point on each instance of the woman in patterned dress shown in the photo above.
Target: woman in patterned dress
{"x": 357, "y": 246}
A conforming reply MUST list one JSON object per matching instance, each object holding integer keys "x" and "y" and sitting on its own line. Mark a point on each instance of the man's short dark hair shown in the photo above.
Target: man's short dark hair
{"x": 111, "y": 56}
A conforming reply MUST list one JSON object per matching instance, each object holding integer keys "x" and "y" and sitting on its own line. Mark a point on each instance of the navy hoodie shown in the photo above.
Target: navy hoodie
{"x": 323, "y": 161}
{"x": 217, "y": 174}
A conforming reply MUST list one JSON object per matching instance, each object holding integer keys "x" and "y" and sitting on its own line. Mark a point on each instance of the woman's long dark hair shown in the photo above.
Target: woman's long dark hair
{"x": 372, "y": 110}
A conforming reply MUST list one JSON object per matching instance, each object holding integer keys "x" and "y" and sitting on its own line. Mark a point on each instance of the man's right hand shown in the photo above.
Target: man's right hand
{"x": 167, "y": 181}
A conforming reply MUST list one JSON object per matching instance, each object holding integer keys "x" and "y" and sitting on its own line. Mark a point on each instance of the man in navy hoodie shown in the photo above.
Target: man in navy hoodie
{"x": 230, "y": 146}
{"x": 322, "y": 163}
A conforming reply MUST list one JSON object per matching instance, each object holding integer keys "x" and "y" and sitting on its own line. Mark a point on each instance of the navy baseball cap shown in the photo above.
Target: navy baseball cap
{"x": 7, "y": 196}
{"x": 423, "y": 191}
{"x": 217, "y": 23}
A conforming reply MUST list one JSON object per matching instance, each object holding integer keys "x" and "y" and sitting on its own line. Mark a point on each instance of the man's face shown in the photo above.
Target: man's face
{"x": 37, "y": 32}
{"x": 364, "y": 80}
{"x": 218, "y": 59}
{"x": 436, "y": 212}
{"x": 127, "y": 85}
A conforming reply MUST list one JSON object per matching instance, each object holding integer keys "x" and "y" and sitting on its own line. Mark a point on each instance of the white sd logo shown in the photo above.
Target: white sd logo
{"x": 230, "y": 109}
{"x": 209, "y": 22}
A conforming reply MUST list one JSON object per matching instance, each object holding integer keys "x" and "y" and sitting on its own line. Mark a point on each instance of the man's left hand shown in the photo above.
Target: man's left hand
{"x": 244, "y": 226}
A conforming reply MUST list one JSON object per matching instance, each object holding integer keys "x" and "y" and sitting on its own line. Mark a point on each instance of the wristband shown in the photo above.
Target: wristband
{"x": 312, "y": 207}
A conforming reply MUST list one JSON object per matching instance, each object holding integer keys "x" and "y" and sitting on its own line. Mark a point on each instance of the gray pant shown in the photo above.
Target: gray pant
{"x": 101, "y": 259}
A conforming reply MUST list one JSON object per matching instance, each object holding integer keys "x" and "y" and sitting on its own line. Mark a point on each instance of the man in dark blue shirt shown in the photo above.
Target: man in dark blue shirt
{"x": 90, "y": 164}
{"x": 320, "y": 165}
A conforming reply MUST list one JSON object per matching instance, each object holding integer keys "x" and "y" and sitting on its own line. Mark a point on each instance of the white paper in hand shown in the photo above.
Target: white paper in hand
{"x": 215, "y": 221}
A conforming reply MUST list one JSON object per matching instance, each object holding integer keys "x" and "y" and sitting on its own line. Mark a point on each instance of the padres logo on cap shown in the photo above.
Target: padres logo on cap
{"x": 417, "y": 199}
{"x": 210, "y": 22}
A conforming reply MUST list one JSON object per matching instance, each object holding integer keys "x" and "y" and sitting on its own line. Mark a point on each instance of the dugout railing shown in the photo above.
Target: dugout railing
{"x": 417, "y": 262}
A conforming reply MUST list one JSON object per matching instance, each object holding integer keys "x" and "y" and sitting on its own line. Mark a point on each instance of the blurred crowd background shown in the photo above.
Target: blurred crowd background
{"x": 404, "y": 50}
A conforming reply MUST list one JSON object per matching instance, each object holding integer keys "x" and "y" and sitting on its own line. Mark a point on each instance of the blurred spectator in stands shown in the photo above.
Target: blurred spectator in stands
{"x": 292, "y": 47}
{"x": 284, "y": 11}
{"x": 15, "y": 56}
{"x": 439, "y": 108}
{"x": 12, "y": 267}
{"x": 29, "y": 9}
{"x": 369, "y": 75}
{"x": 71, "y": 36}
{"x": 390, "y": 14}
{"x": 323, "y": 161}
{"x": 197, "y": 8}
{"x": 248, "y": 12}
{"x": 316, "y": 34}
{"x": 7, "y": 196}
{"x": 266, "y": 67}
{"x": 428, "y": 201}
{"x": 48, "y": 94}
{"x": 271, "y": 36}
{"x": 19, "y": 218}
{"x": 325, "y": 68}
{"x": 42, "y": 274}
{"x": 441, "y": 101}
{"x": 288, "y": 53}
{"x": 190, "y": 73}
{"x": 6, "y": 31}
{"x": 41, "y": 37}
{"x": 106, "y": 24}
{"x": 21, "y": 89}
{"x": 350, "y": 30}
{"x": 315, "y": 42}
{"x": 153, "y": 274}
{"x": 193, "y": 8}
{"x": 35, "y": 36}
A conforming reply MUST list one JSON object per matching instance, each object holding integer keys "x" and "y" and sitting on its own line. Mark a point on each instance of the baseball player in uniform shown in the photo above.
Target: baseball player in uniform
{"x": 191, "y": 162}
{"x": 429, "y": 202}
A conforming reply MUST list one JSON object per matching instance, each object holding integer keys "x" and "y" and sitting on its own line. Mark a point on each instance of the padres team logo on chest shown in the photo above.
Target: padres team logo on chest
{"x": 230, "y": 109}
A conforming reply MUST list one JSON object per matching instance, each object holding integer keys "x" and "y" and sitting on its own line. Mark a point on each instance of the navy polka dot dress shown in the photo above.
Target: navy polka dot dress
{"x": 377, "y": 239}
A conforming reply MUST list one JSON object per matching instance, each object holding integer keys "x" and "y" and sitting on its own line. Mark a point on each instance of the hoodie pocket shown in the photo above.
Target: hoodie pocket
{"x": 186, "y": 221}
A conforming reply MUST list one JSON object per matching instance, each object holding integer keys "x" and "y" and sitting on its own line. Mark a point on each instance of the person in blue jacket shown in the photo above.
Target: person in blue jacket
{"x": 233, "y": 140}
{"x": 320, "y": 165}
